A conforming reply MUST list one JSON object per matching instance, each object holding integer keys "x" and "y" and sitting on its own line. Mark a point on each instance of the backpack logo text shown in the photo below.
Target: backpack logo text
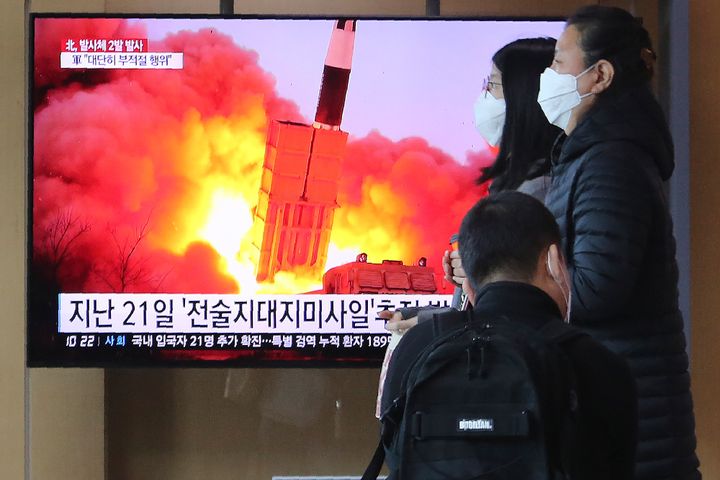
{"x": 476, "y": 424}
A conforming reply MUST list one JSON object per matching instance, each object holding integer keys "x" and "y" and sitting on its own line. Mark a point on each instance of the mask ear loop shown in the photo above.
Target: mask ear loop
{"x": 569, "y": 295}
{"x": 580, "y": 75}
{"x": 566, "y": 296}
{"x": 586, "y": 70}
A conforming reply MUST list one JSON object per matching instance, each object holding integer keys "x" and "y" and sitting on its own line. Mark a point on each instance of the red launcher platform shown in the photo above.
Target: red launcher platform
{"x": 299, "y": 186}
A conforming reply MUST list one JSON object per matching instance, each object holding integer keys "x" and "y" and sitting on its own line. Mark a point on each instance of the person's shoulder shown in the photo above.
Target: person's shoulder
{"x": 406, "y": 351}
{"x": 617, "y": 168}
{"x": 615, "y": 155}
{"x": 414, "y": 340}
{"x": 420, "y": 336}
{"x": 536, "y": 187}
{"x": 584, "y": 346}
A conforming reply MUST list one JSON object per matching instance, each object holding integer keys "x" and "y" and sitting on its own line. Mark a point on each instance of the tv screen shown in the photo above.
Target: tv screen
{"x": 246, "y": 190}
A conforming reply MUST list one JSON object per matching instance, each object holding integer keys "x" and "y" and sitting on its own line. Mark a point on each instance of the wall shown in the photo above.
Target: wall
{"x": 12, "y": 240}
{"x": 65, "y": 406}
{"x": 66, "y": 437}
{"x": 705, "y": 228}
{"x": 184, "y": 425}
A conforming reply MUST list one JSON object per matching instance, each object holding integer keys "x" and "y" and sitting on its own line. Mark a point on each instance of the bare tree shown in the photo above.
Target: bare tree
{"x": 60, "y": 237}
{"x": 128, "y": 268}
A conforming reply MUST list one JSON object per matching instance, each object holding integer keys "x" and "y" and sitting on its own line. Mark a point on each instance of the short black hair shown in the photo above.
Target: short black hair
{"x": 527, "y": 136}
{"x": 613, "y": 34}
{"x": 504, "y": 234}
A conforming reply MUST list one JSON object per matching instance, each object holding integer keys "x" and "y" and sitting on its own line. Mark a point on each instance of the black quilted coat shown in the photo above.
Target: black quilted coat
{"x": 608, "y": 198}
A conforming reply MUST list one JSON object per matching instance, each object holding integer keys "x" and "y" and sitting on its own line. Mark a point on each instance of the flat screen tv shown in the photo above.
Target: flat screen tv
{"x": 248, "y": 190}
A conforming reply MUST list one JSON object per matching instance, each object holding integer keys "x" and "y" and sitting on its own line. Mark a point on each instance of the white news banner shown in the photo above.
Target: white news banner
{"x": 200, "y": 313}
{"x": 120, "y": 60}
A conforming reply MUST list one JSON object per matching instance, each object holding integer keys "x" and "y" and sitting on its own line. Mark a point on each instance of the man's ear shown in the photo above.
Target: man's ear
{"x": 604, "y": 74}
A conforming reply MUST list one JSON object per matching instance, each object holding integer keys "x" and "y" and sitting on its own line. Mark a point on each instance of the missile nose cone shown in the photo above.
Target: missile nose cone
{"x": 342, "y": 43}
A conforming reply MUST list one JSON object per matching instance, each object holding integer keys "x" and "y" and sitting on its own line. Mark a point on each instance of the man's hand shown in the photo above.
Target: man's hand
{"x": 395, "y": 322}
{"x": 452, "y": 266}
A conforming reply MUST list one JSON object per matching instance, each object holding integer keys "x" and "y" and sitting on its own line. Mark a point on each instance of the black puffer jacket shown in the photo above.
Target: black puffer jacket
{"x": 608, "y": 198}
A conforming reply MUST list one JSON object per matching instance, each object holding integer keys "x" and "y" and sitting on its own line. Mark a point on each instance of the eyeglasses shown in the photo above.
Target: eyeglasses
{"x": 489, "y": 85}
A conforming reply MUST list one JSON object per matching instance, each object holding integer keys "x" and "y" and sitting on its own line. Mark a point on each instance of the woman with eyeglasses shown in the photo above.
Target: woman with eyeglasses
{"x": 608, "y": 197}
{"x": 507, "y": 116}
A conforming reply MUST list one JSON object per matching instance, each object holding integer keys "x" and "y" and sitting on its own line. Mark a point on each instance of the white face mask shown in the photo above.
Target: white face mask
{"x": 565, "y": 290}
{"x": 490, "y": 117}
{"x": 558, "y": 95}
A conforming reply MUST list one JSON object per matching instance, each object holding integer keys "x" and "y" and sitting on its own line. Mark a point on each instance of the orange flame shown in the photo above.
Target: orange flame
{"x": 225, "y": 156}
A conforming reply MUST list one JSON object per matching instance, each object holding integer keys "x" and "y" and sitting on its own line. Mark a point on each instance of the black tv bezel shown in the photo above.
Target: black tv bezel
{"x": 130, "y": 361}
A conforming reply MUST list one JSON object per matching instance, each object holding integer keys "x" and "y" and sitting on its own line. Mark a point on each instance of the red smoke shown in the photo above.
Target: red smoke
{"x": 126, "y": 156}
{"x": 51, "y": 33}
{"x": 127, "y": 162}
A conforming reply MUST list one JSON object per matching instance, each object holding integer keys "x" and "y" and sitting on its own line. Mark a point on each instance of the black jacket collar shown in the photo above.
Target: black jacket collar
{"x": 517, "y": 301}
{"x": 634, "y": 117}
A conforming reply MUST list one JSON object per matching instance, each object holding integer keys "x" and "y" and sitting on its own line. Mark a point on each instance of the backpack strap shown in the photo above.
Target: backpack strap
{"x": 390, "y": 422}
{"x": 373, "y": 469}
{"x": 446, "y": 322}
{"x": 560, "y": 332}
{"x": 453, "y": 425}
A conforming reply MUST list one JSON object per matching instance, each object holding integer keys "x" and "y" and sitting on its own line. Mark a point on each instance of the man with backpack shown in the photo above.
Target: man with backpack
{"x": 507, "y": 390}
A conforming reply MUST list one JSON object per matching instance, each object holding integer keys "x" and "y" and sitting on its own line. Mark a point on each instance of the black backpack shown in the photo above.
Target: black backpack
{"x": 487, "y": 399}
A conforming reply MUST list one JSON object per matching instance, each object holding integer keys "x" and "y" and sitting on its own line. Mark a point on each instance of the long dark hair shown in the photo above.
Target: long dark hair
{"x": 613, "y": 34}
{"x": 527, "y": 135}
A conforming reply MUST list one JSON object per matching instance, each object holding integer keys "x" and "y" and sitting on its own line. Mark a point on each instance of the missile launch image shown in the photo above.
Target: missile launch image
{"x": 252, "y": 156}
{"x": 301, "y": 173}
